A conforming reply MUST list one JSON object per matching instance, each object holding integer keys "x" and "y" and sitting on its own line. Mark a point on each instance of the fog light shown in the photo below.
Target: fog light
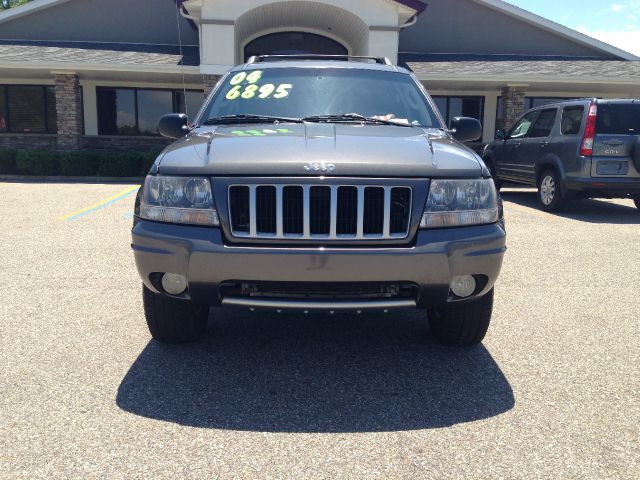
{"x": 174, "y": 283}
{"x": 463, "y": 286}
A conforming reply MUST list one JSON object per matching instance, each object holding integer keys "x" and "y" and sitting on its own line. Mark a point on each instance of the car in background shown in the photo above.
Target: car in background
{"x": 586, "y": 148}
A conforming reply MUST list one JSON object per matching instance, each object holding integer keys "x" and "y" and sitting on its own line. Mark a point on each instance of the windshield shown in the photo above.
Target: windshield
{"x": 311, "y": 92}
{"x": 618, "y": 119}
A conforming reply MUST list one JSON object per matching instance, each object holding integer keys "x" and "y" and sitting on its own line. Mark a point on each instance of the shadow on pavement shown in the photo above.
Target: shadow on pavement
{"x": 317, "y": 373}
{"x": 591, "y": 211}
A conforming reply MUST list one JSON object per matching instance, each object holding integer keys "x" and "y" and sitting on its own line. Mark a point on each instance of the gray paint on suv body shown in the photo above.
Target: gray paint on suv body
{"x": 361, "y": 155}
{"x": 355, "y": 150}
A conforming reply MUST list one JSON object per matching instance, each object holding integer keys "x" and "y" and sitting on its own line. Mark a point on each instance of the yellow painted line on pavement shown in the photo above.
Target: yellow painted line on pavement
{"x": 100, "y": 204}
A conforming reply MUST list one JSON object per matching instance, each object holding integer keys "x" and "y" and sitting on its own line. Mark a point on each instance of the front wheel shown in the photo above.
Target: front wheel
{"x": 550, "y": 193}
{"x": 171, "y": 320}
{"x": 464, "y": 323}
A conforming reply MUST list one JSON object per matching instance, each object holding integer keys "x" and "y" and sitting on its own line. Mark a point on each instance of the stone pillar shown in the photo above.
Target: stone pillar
{"x": 68, "y": 110}
{"x": 512, "y": 105}
{"x": 209, "y": 81}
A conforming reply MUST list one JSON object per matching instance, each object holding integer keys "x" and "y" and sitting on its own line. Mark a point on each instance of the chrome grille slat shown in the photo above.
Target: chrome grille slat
{"x": 253, "y": 228}
{"x": 334, "y": 212}
{"x": 360, "y": 221}
{"x": 386, "y": 223}
{"x": 350, "y": 206}
{"x": 279, "y": 214}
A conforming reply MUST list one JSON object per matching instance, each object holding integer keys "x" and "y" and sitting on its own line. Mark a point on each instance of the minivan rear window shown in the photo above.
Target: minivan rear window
{"x": 618, "y": 119}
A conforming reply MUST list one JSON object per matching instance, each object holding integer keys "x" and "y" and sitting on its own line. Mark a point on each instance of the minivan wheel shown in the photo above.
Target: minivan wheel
{"x": 462, "y": 323}
{"x": 171, "y": 320}
{"x": 550, "y": 193}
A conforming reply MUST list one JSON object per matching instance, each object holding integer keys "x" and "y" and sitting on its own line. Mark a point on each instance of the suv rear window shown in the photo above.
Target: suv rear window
{"x": 618, "y": 119}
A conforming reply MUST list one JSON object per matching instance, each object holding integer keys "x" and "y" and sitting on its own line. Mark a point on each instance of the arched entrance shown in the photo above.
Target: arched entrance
{"x": 291, "y": 43}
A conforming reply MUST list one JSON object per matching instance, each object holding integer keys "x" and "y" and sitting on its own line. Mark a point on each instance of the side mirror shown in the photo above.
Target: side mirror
{"x": 501, "y": 135}
{"x": 173, "y": 125}
{"x": 466, "y": 129}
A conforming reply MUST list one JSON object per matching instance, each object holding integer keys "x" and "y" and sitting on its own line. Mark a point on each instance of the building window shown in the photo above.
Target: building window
{"x": 292, "y": 43}
{"x": 28, "y": 109}
{"x": 136, "y": 111}
{"x": 451, "y": 107}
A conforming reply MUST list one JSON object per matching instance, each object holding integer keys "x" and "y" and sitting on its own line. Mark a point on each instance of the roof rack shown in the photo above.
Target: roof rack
{"x": 347, "y": 58}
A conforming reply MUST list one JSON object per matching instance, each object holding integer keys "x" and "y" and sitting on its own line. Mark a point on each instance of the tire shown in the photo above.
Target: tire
{"x": 550, "y": 194}
{"x": 172, "y": 320}
{"x": 462, "y": 324}
{"x": 494, "y": 174}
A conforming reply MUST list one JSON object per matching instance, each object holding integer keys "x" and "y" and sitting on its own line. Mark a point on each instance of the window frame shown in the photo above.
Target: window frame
{"x": 174, "y": 105}
{"x": 4, "y": 91}
{"x": 448, "y": 98}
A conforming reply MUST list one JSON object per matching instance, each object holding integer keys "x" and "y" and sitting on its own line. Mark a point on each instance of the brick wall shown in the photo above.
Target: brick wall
{"x": 69, "y": 111}
{"x": 512, "y": 106}
{"x": 28, "y": 141}
{"x": 118, "y": 142}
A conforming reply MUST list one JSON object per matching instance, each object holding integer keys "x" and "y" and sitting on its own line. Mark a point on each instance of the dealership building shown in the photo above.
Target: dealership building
{"x": 98, "y": 74}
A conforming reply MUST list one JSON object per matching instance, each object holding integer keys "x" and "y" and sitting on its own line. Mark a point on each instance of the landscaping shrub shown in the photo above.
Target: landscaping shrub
{"x": 85, "y": 163}
{"x": 120, "y": 164}
{"x": 81, "y": 164}
{"x": 36, "y": 162}
{"x": 8, "y": 162}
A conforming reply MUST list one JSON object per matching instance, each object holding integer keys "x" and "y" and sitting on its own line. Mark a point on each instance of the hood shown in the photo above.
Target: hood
{"x": 349, "y": 150}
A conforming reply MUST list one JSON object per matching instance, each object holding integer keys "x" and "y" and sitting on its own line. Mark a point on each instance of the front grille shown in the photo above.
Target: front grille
{"x": 312, "y": 212}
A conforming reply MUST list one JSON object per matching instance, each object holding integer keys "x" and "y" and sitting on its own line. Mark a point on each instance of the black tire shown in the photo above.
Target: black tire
{"x": 550, "y": 192}
{"x": 462, "y": 324}
{"x": 494, "y": 174}
{"x": 172, "y": 320}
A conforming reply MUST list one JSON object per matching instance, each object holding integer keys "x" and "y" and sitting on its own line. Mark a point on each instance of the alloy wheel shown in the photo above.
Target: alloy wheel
{"x": 547, "y": 190}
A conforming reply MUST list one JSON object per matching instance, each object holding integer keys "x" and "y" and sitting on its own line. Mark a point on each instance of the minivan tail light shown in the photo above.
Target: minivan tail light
{"x": 586, "y": 148}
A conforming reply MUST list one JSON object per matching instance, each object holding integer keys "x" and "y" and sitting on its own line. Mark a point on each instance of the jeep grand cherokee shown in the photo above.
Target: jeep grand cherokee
{"x": 318, "y": 184}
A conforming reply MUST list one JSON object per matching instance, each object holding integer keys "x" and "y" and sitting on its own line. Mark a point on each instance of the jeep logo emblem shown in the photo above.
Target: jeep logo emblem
{"x": 320, "y": 167}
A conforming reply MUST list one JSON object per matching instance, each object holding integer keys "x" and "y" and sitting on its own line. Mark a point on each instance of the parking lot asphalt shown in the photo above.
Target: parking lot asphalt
{"x": 553, "y": 392}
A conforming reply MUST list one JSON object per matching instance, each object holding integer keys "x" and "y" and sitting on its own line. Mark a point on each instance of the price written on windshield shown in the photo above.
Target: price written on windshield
{"x": 245, "y": 86}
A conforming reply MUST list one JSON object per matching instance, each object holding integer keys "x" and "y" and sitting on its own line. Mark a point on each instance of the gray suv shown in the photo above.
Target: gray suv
{"x": 311, "y": 184}
{"x": 574, "y": 149}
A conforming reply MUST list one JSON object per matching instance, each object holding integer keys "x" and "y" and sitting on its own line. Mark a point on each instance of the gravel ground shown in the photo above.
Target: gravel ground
{"x": 84, "y": 393}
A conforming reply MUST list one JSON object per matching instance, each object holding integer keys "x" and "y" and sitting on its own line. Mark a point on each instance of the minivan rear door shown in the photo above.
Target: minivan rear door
{"x": 617, "y": 133}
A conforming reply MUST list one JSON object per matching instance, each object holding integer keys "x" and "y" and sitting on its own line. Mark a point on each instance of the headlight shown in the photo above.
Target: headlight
{"x": 455, "y": 203}
{"x": 185, "y": 200}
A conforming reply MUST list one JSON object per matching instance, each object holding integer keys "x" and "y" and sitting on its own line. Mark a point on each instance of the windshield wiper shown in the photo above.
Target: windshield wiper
{"x": 249, "y": 118}
{"x": 353, "y": 117}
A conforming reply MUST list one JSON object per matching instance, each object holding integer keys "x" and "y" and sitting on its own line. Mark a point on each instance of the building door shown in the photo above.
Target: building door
{"x": 293, "y": 43}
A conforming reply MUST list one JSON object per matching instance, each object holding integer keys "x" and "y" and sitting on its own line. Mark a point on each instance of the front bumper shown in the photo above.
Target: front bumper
{"x": 201, "y": 255}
